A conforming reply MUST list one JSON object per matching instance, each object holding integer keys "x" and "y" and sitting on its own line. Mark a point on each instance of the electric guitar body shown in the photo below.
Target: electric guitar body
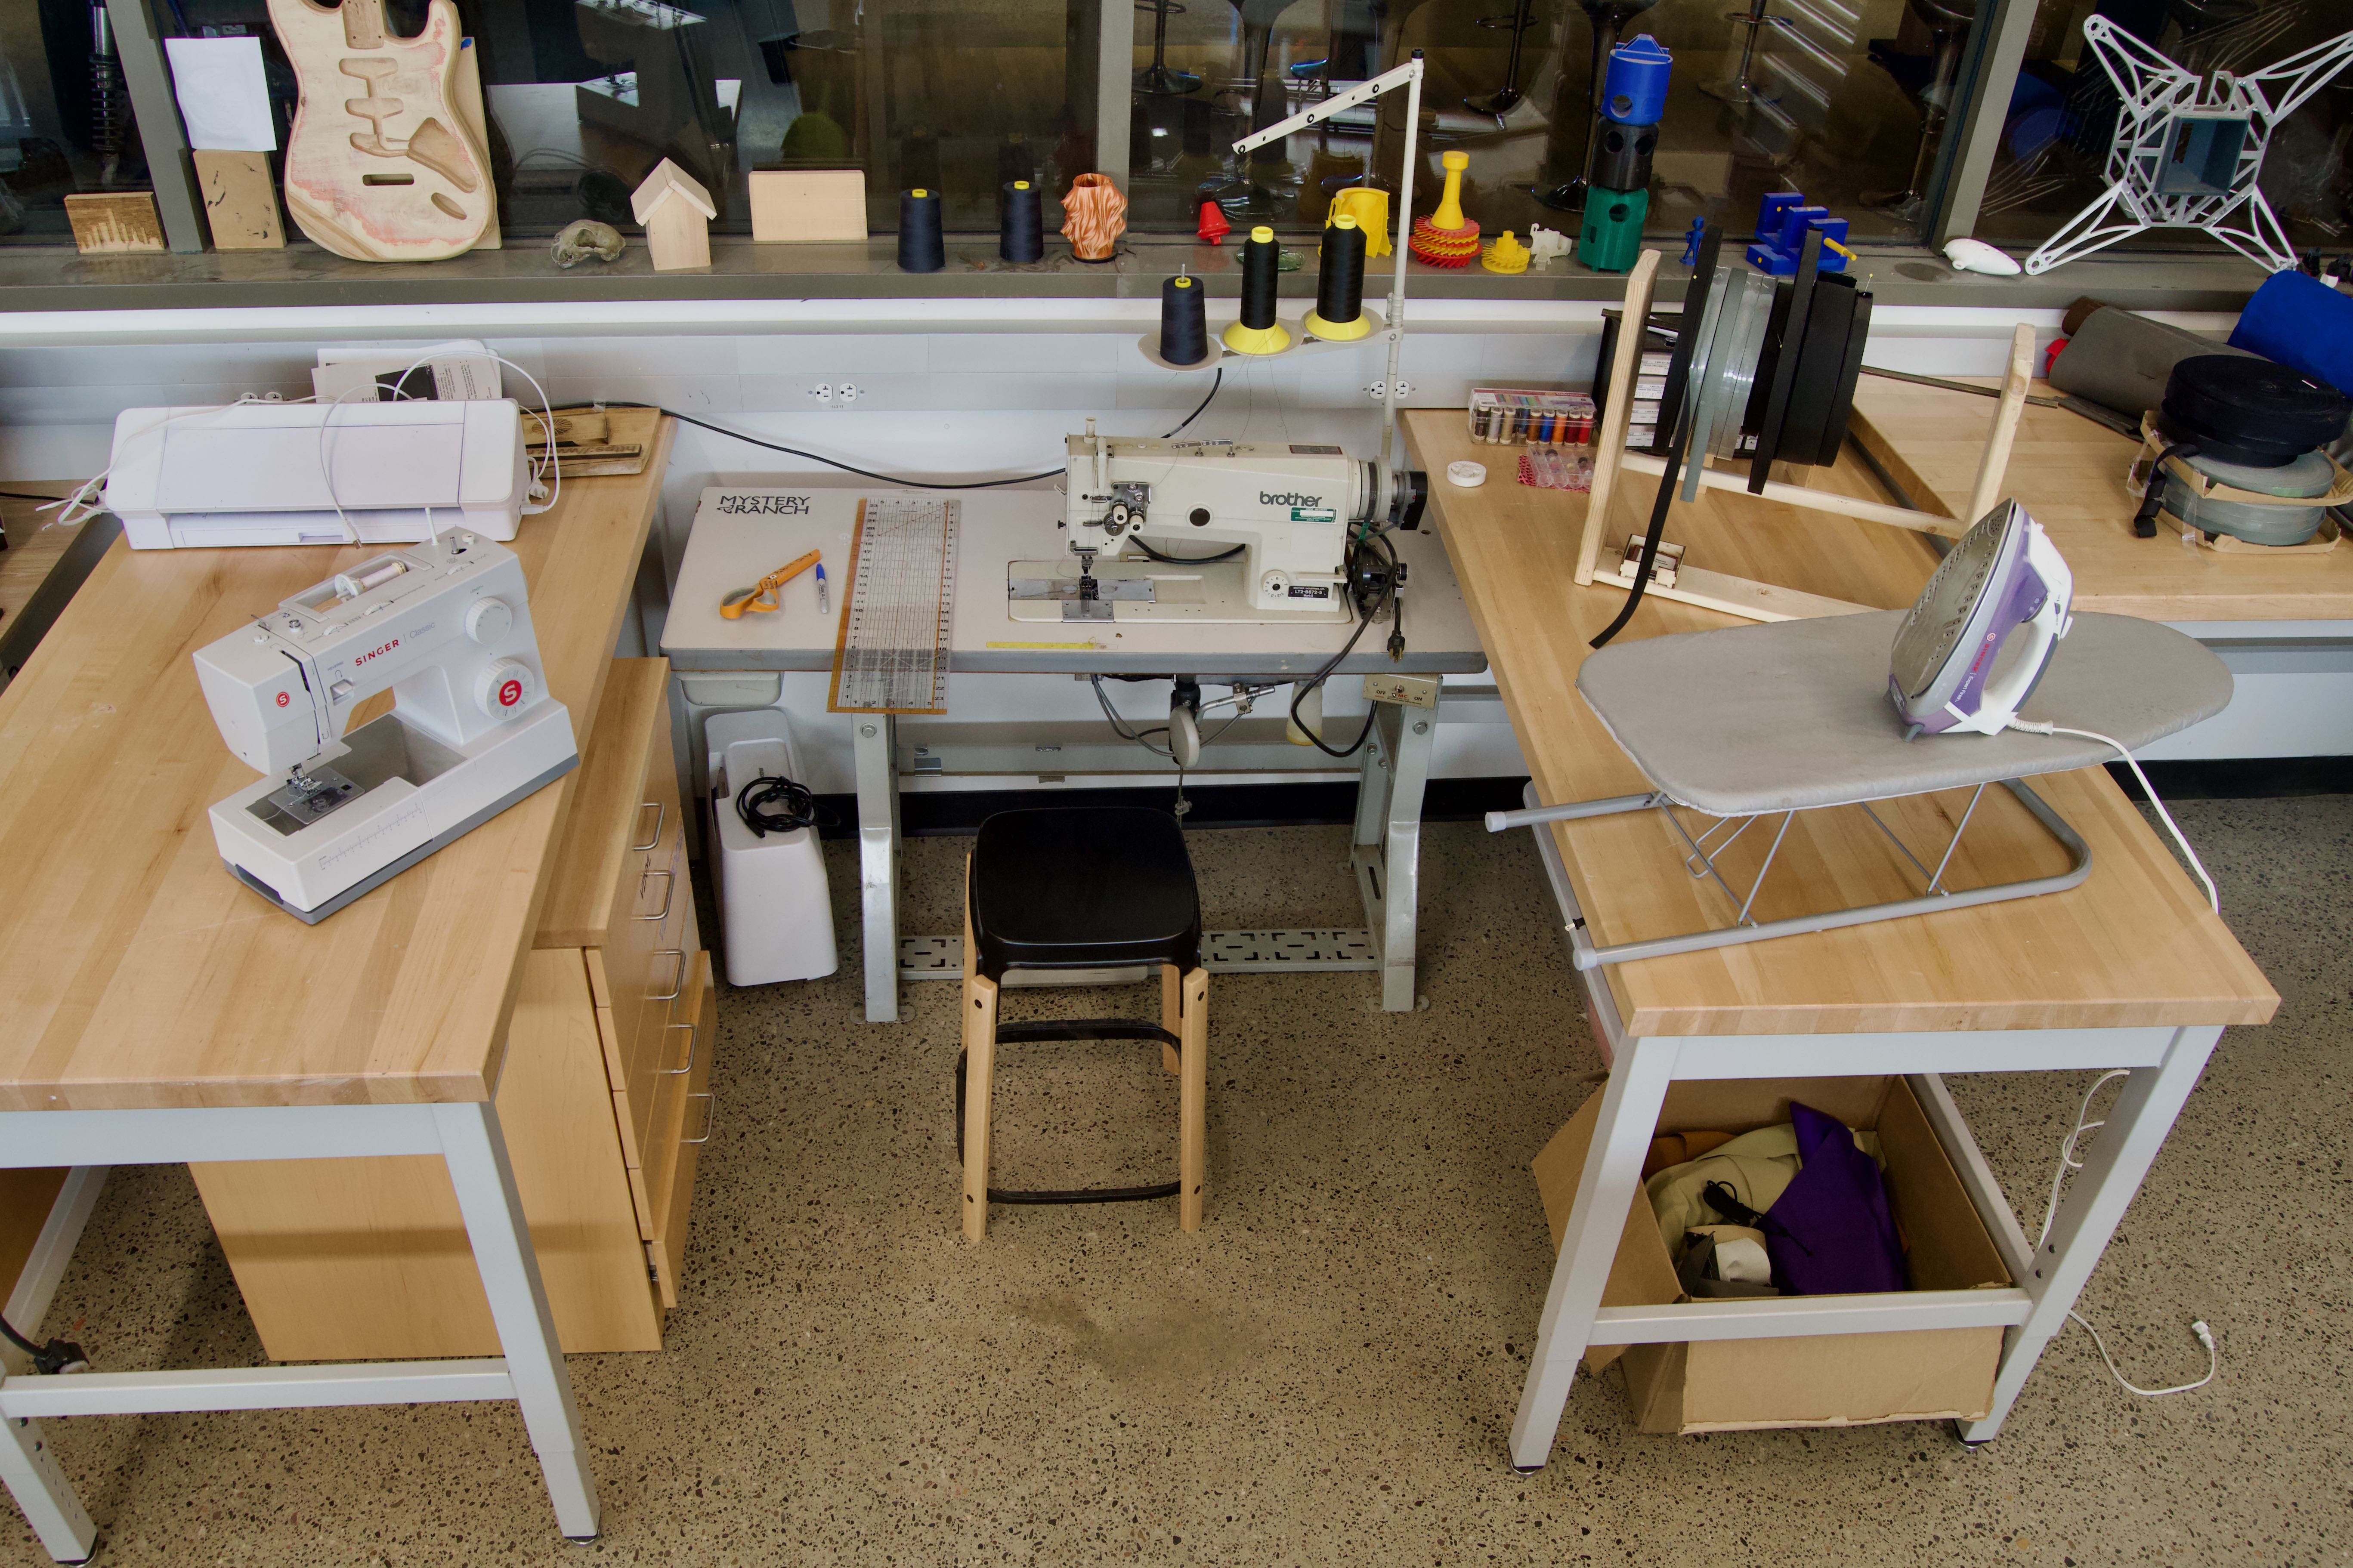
{"x": 380, "y": 166}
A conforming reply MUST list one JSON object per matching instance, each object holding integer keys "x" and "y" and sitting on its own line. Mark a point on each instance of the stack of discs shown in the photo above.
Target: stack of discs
{"x": 1445, "y": 237}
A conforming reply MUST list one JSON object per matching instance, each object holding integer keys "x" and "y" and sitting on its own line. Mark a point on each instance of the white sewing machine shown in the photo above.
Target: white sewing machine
{"x": 446, "y": 627}
{"x": 1209, "y": 530}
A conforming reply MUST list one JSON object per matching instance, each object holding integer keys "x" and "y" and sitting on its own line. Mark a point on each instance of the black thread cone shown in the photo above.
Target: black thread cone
{"x": 1022, "y": 236}
{"x": 1340, "y": 279}
{"x": 1262, "y": 266}
{"x": 1184, "y": 321}
{"x": 922, "y": 248}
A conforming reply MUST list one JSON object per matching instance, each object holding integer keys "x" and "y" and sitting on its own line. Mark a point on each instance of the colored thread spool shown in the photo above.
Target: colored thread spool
{"x": 1256, "y": 332}
{"x": 1184, "y": 321}
{"x": 922, "y": 247}
{"x": 1021, "y": 234}
{"x": 1339, "y": 313}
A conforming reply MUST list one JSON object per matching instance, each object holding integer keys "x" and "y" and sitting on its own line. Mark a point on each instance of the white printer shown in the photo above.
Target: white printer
{"x": 317, "y": 473}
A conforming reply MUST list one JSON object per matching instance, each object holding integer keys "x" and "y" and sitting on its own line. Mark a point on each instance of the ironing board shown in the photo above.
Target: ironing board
{"x": 1761, "y": 720}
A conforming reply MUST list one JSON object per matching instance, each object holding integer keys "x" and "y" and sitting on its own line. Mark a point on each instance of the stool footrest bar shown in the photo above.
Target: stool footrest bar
{"x": 1086, "y": 1195}
{"x": 1084, "y": 1029}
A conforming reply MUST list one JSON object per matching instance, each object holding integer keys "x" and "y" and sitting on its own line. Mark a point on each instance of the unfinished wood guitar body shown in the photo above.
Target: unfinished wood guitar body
{"x": 381, "y": 167}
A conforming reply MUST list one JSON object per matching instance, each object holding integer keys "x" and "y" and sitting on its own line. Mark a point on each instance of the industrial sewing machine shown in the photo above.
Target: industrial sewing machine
{"x": 446, "y": 626}
{"x": 1213, "y": 531}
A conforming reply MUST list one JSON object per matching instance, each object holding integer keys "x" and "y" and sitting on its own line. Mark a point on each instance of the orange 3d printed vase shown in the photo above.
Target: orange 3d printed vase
{"x": 1094, "y": 215}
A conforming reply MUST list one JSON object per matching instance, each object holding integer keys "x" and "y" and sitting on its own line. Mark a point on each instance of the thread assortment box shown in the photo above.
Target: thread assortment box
{"x": 1505, "y": 416}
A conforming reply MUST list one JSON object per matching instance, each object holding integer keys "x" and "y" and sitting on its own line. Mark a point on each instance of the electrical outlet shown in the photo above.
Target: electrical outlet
{"x": 822, "y": 393}
{"x": 846, "y": 392}
{"x": 1376, "y": 389}
{"x": 1412, "y": 690}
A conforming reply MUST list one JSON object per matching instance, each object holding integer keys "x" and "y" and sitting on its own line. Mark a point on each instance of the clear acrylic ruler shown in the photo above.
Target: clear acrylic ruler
{"x": 892, "y": 654}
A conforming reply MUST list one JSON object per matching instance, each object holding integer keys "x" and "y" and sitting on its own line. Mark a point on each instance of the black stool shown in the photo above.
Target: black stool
{"x": 1083, "y": 889}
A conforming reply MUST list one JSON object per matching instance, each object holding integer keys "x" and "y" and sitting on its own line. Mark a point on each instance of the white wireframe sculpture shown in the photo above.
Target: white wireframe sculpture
{"x": 2183, "y": 159}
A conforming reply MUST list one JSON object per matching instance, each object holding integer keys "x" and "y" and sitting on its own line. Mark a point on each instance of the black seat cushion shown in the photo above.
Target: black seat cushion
{"x": 1080, "y": 887}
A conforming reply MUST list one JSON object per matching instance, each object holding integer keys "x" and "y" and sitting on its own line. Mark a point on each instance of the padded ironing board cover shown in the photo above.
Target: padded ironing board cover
{"x": 1794, "y": 714}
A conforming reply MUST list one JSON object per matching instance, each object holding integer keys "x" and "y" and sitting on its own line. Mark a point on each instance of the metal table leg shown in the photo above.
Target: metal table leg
{"x": 1613, "y": 1171}
{"x": 878, "y": 861}
{"x": 2095, "y": 1204}
{"x": 484, "y": 1180}
{"x": 1386, "y": 851}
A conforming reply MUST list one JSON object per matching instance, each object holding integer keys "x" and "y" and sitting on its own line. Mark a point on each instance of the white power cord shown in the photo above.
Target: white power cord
{"x": 2213, "y": 899}
{"x": 2068, "y": 1161}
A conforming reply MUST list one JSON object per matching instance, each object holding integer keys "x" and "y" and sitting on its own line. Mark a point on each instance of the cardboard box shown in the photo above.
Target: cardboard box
{"x": 1824, "y": 1380}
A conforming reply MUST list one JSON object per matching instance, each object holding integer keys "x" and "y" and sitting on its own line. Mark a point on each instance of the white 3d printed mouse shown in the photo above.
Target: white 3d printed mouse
{"x": 1976, "y": 256}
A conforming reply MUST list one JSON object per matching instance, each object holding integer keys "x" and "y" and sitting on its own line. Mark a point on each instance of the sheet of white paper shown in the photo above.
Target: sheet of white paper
{"x": 224, "y": 99}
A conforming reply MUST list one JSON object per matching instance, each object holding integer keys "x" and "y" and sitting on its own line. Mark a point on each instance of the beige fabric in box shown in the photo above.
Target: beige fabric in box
{"x": 1829, "y": 1380}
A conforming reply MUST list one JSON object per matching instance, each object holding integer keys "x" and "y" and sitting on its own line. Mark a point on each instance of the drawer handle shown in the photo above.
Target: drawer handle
{"x": 693, "y": 1040}
{"x": 670, "y": 891}
{"x": 661, "y": 813}
{"x": 709, "y": 1119}
{"x": 678, "y": 980}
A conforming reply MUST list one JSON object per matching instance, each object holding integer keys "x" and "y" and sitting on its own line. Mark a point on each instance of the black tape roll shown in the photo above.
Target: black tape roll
{"x": 1021, "y": 234}
{"x": 1340, "y": 277}
{"x": 1184, "y": 321}
{"x": 1621, "y": 158}
{"x": 1262, "y": 258}
{"x": 922, "y": 248}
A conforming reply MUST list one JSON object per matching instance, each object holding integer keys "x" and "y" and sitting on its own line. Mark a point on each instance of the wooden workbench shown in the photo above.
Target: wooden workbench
{"x": 139, "y": 972}
{"x": 2135, "y": 945}
{"x": 2070, "y": 473}
{"x": 2130, "y": 969}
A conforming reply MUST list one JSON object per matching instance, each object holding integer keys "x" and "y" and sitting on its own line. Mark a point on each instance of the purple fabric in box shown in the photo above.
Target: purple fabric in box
{"x": 1835, "y": 1235}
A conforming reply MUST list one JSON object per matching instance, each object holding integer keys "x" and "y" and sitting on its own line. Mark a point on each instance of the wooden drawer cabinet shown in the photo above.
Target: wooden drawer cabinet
{"x": 604, "y": 1098}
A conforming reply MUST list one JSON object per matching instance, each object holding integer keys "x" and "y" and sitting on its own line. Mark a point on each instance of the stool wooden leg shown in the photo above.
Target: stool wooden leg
{"x": 1193, "y": 1116}
{"x": 980, "y": 1078}
{"x": 1172, "y": 1013}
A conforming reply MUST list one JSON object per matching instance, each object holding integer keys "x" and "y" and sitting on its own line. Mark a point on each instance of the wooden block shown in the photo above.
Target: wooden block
{"x": 574, "y": 426}
{"x": 808, "y": 207}
{"x": 117, "y": 221}
{"x": 240, "y": 200}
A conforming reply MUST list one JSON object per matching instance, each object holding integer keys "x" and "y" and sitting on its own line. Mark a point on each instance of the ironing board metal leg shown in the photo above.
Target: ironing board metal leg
{"x": 2092, "y": 1207}
{"x": 484, "y": 1182}
{"x": 874, "y": 749}
{"x": 1613, "y": 1171}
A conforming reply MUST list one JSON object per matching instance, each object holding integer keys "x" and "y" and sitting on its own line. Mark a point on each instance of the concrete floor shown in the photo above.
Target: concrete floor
{"x": 1325, "y": 1373}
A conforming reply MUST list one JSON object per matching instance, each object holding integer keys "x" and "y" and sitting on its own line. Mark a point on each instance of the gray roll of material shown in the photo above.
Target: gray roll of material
{"x": 2122, "y": 361}
{"x": 2307, "y": 477}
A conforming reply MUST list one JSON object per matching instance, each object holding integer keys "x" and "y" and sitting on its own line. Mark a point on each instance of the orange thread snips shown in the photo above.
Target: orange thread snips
{"x": 762, "y": 595}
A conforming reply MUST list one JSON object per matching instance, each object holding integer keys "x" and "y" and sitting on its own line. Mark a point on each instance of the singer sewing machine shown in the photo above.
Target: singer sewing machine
{"x": 1210, "y": 531}
{"x": 446, "y": 626}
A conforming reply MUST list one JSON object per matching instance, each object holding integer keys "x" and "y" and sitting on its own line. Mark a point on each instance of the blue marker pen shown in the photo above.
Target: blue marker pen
{"x": 823, "y": 608}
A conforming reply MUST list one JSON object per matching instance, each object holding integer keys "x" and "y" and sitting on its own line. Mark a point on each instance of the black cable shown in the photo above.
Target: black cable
{"x": 28, "y": 495}
{"x": 1367, "y": 615}
{"x": 1215, "y": 382}
{"x": 1703, "y": 279}
{"x": 1188, "y": 560}
{"x": 753, "y": 801}
{"x": 57, "y": 1356}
